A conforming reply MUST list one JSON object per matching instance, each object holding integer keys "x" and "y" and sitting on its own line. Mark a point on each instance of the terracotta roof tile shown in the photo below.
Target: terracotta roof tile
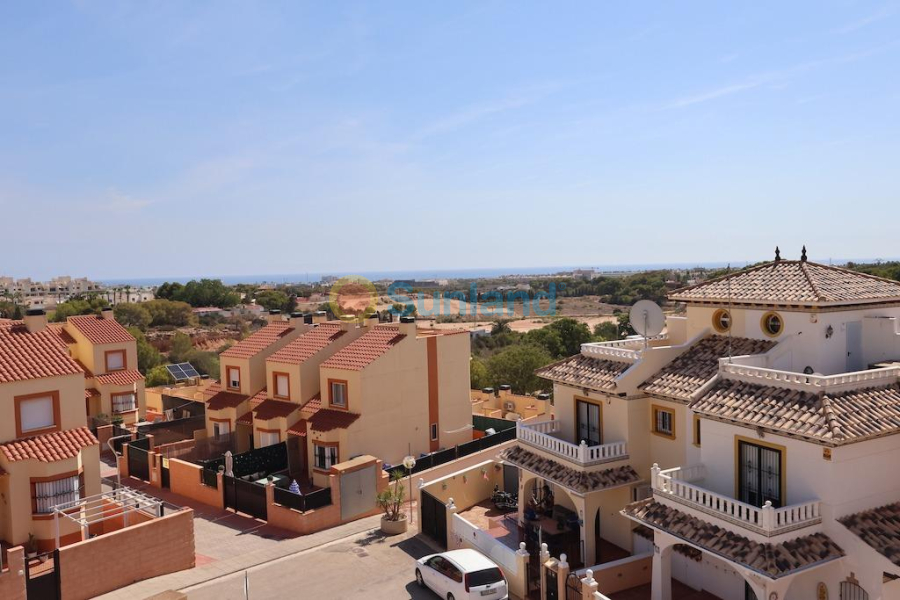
{"x": 580, "y": 481}
{"x": 90, "y": 393}
{"x": 313, "y": 404}
{"x": 259, "y": 341}
{"x": 327, "y": 419}
{"x": 119, "y": 377}
{"x": 49, "y": 447}
{"x": 272, "y": 409}
{"x": 307, "y": 345}
{"x": 831, "y": 418}
{"x": 878, "y": 528}
{"x": 584, "y": 371}
{"x": 772, "y": 560}
{"x": 690, "y": 371}
{"x": 60, "y": 331}
{"x": 246, "y": 418}
{"x": 298, "y": 428}
{"x": 25, "y": 355}
{"x": 366, "y": 349}
{"x": 99, "y": 330}
{"x": 222, "y": 399}
{"x": 792, "y": 282}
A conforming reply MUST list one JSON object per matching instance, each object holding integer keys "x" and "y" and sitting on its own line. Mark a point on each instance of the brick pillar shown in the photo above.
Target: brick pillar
{"x": 12, "y": 582}
{"x": 220, "y": 485}
{"x": 588, "y": 585}
{"x": 155, "y": 469}
{"x": 453, "y": 541}
{"x": 562, "y": 575}
{"x": 123, "y": 461}
{"x": 544, "y": 557}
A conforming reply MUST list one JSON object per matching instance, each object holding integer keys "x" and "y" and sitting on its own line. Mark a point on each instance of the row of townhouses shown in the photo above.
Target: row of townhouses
{"x": 47, "y": 294}
{"x": 752, "y": 449}
{"x": 53, "y": 377}
{"x": 338, "y": 390}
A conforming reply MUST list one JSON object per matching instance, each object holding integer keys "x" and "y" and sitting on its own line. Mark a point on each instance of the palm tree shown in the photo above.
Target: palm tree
{"x": 500, "y": 326}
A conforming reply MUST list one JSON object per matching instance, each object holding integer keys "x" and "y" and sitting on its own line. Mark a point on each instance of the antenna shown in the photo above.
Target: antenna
{"x": 730, "y": 314}
{"x": 647, "y": 318}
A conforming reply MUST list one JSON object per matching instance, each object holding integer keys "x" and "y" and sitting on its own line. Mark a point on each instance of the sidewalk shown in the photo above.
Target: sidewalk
{"x": 231, "y": 555}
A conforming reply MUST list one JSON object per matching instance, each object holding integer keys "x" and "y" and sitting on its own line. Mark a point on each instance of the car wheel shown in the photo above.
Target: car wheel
{"x": 419, "y": 579}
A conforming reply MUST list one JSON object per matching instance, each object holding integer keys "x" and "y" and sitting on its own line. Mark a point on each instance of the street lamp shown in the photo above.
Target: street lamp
{"x": 410, "y": 463}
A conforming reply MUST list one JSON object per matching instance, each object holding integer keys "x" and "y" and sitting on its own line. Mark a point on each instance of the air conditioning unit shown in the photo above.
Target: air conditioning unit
{"x": 509, "y": 406}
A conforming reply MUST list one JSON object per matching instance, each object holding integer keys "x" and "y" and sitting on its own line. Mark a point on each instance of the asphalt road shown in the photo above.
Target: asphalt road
{"x": 369, "y": 566}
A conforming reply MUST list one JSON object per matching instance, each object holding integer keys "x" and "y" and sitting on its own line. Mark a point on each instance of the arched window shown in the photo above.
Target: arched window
{"x": 850, "y": 590}
{"x": 721, "y": 320}
{"x": 772, "y": 324}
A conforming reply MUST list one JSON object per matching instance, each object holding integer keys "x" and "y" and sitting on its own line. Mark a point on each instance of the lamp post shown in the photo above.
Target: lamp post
{"x": 410, "y": 463}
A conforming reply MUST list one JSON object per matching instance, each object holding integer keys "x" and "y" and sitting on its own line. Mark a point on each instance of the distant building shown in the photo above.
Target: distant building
{"x": 585, "y": 273}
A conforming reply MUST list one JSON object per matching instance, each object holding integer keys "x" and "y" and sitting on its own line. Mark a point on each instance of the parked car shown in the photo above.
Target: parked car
{"x": 462, "y": 575}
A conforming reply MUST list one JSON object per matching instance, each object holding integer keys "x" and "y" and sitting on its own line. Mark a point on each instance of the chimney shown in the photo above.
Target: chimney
{"x": 408, "y": 326}
{"x": 505, "y": 389}
{"x": 274, "y": 316}
{"x": 372, "y": 320}
{"x": 297, "y": 320}
{"x": 320, "y": 317}
{"x": 108, "y": 314}
{"x": 308, "y": 318}
{"x": 35, "y": 320}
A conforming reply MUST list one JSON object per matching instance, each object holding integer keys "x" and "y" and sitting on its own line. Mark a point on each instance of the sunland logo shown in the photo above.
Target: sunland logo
{"x": 354, "y": 298}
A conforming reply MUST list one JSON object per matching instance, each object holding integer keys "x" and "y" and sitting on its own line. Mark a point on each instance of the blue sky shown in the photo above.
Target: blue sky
{"x": 182, "y": 138}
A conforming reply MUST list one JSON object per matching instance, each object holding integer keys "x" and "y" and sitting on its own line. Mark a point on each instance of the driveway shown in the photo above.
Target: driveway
{"x": 367, "y": 565}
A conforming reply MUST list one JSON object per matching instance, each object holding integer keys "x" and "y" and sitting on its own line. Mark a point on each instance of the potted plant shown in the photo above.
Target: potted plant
{"x": 393, "y": 522}
{"x": 31, "y": 546}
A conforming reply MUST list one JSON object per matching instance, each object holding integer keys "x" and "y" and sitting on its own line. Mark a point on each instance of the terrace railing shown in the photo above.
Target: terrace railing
{"x": 767, "y": 520}
{"x": 810, "y": 383}
{"x": 539, "y": 436}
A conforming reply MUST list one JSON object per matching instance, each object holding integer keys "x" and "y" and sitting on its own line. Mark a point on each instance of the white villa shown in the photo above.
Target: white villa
{"x": 751, "y": 451}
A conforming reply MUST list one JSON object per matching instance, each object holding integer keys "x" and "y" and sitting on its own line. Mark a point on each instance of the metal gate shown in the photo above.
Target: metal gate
{"x": 357, "y": 492}
{"x": 42, "y": 579}
{"x": 552, "y": 579}
{"x": 573, "y": 587}
{"x": 245, "y": 497}
{"x": 139, "y": 459}
{"x": 434, "y": 519}
{"x": 850, "y": 590}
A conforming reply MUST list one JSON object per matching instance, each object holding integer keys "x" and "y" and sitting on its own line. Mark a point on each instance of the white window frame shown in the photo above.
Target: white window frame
{"x": 662, "y": 415}
{"x": 329, "y": 455}
{"x": 117, "y": 399}
{"x": 341, "y": 385}
{"x": 221, "y": 428}
{"x": 268, "y": 438}
{"x": 41, "y": 423}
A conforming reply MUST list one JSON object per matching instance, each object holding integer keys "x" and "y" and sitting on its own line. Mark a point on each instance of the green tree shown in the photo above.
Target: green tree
{"x": 133, "y": 315}
{"x": 606, "y": 332}
{"x": 500, "y": 327}
{"x": 169, "y": 313}
{"x": 275, "y": 300}
{"x": 79, "y": 305}
{"x": 148, "y": 356}
{"x": 181, "y": 348}
{"x": 158, "y": 376}
{"x": 478, "y": 374}
{"x": 625, "y": 327}
{"x": 207, "y": 363}
{"x": 516, "y": 366}
{"x": 572, "y": 333}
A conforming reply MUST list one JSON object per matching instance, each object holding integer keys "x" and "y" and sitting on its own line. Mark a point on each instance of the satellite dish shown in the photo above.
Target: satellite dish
{"x": 647, "y": 318}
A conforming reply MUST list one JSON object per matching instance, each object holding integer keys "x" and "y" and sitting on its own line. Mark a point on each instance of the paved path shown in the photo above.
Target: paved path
{"x": 229, "y": 543}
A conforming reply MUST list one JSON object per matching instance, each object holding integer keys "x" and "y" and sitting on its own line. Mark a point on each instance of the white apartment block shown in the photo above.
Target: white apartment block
{"x": 47, "y": 294}
{"x": 752, "y": 450}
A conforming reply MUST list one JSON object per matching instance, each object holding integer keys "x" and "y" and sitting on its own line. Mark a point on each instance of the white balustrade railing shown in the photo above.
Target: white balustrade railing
{"x": 538, "y": 435}
{"x": 813, "y": 383}
{"x": 486, "y": 543}
{"x": 768, "y": 520}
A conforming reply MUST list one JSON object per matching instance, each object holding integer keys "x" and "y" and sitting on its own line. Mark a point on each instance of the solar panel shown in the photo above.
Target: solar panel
{"x": 182, "y": 371}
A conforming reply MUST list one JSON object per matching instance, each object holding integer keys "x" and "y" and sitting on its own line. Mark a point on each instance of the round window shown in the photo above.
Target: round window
{"x": 721, "y": 320}
{"x": 772, "y": 325}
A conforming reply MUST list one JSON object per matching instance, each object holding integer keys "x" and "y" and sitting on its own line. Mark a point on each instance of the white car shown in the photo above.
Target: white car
{"x": 461, "y": 575}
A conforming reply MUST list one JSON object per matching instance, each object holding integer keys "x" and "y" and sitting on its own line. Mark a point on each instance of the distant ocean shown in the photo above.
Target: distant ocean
{"x": 419, "y": 275}
{"x": 451, "y": 273}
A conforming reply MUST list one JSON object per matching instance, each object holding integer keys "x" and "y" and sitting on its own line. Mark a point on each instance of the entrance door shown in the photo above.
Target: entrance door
{"x": 589, "y": 426}
{"x": 511, "y": 479}
{"x": 597, "y": 558}
{"x": 854, "y": 347}
{"x": 760, "y": 475}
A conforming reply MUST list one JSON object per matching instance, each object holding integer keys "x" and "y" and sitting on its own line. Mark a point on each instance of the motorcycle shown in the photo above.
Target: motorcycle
{"x": 504, "y": 501}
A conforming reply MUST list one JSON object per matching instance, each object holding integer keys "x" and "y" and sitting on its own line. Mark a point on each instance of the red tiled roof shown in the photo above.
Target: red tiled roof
{"x": 327, "y": 419}
{"x": 308, "y": 344}
{"x": 88, "y": 374}
{"x": 60, "y": 331}
{"x": 119, "y": 377}
{"x": 25, "y": 355}
{"x": 99, "y": 330}
{"x": 50, "y": 447}
{"x": 246, "y": 418}
{"x": 272, "y": 409}
{"x": 90, "y": 393}
{"x": 313, "y": 404}
{"x": 298, "y": 428}
{"x": 212, "y": 389}
{"x": 259, "y": 341}
{"x": 363, "y": 351}
{"x": 221, "y": 400}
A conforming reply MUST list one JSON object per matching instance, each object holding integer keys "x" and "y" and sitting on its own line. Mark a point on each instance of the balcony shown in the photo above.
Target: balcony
{"x": 627, "y": 350}
{"x": 680, "y": 485}
{"x": 539, "y": 435}
{"x": 841, "y": 382}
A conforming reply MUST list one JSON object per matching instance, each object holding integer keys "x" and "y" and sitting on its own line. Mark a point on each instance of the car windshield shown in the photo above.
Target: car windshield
{"x": 484, "y": 577}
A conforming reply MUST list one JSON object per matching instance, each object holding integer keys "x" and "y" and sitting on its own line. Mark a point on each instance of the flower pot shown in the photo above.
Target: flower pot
{"x": 394, "y": 527}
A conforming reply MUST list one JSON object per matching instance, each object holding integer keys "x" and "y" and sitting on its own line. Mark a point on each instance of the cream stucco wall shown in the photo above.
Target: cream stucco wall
{"x": 71, "y": 401}
{"x": 454, "y": 406}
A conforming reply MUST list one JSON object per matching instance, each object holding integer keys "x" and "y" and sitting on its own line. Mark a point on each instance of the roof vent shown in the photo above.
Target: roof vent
{"x": 407, "y": 319}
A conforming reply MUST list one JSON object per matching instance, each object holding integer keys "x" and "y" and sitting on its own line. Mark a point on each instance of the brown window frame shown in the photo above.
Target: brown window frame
{"x": 112, "y": 402}
{"x": 275, "y": 376}
{"x": 124, "y": 366}
{"x": 337, "y": 455}
{"x": 57, "y": 425}
{"x": 228, "y": 370}
{"x": 656, "y": 409}
{"x": 346, "y": 404}
{"x": 35, "y": 480}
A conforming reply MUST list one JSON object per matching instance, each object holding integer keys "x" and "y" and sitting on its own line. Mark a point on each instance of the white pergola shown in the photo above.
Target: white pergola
{"x": 101, "y": 507}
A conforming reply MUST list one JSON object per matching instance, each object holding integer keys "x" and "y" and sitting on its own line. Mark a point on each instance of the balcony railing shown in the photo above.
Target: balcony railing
{"x": 538, "y": 436}
{"x": 802, "y": 382}
{"x": 674, "y": 484}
